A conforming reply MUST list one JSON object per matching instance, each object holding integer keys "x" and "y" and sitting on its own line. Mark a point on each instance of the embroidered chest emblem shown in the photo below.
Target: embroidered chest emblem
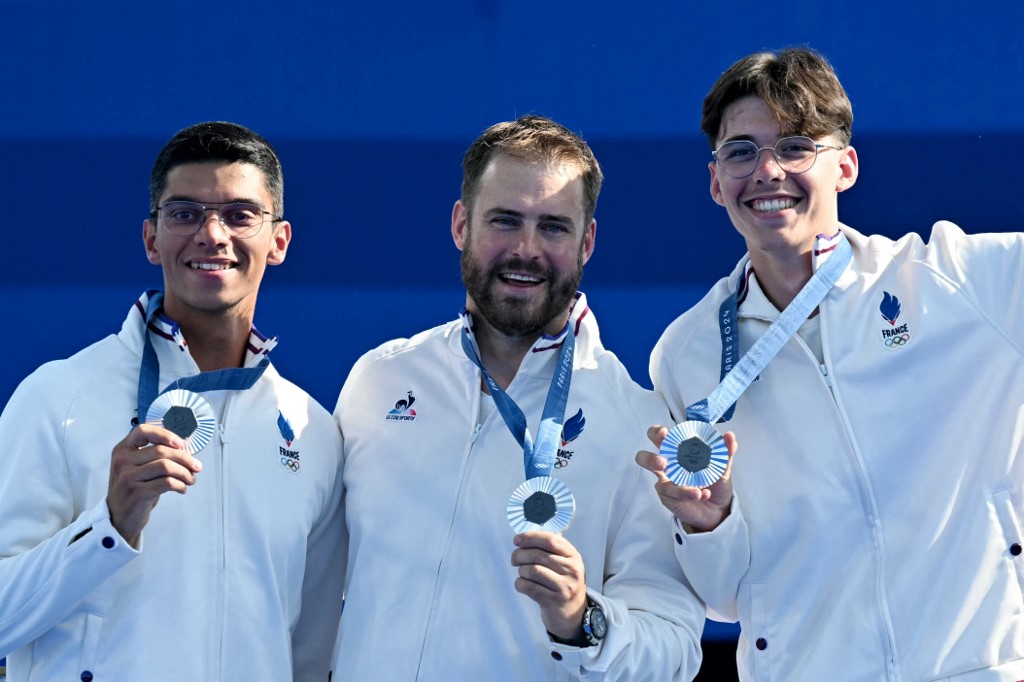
{"x": 896, "y": 335}
{"x": 403, "y": 411}
{"x": 289, "y": 459}
{"x": 571, "y": 430}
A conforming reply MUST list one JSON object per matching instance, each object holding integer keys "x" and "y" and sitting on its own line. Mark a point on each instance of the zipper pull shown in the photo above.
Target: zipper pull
{"x": 223, "y": 434}
{"x": 476, "y": 432}
{"x": 826, "y": 376}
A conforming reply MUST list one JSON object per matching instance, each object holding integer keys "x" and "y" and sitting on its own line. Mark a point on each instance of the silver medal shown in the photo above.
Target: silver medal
{"x": 696, "y": 454}
{"x": 186, "y": 415}
{"x": 541, "y": 503}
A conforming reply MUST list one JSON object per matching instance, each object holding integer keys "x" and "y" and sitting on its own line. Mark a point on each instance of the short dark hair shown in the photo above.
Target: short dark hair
{"x": 535, "y": 138}
{"x": 798, "y": 85}
{"x": 218, "y": 141}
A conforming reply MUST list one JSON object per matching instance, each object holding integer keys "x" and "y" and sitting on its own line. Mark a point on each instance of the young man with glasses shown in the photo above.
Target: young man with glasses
{"x": 511, "y": 415}
{"x": 235, "y": 577}
{"x": 870, "y": 526}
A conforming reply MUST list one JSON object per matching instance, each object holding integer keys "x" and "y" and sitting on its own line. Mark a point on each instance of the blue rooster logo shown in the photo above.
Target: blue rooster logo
{"x": 890, "y": 308}
{"x": 573, "y": 427}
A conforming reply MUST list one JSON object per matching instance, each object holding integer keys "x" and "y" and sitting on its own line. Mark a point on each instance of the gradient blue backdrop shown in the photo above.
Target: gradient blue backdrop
{"x": 371, "y": 107}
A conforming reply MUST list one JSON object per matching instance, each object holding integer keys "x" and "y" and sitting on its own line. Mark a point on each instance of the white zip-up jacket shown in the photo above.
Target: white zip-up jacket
{"x": 235, "y": 580}
{"x": 875, "y": 532}
{"x": 430, "y": 584}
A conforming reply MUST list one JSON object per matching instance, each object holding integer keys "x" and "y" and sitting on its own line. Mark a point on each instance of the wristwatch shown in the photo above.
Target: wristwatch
{"x": 595, "y": 625}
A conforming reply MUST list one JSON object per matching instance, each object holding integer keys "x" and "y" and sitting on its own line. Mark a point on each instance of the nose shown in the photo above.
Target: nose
{"x": 528, "y": 244}
{"x": 212, "y": 229}
{"x": 768, "y": 167}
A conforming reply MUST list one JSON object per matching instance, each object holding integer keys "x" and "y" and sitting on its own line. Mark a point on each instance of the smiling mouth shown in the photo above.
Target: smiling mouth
{"x": 516, "y": 278}
{"x": 211, "y": 266}
{"x": 772, "y": 205}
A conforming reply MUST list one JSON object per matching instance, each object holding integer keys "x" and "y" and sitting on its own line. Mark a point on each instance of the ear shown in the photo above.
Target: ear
{"x": 460, "y": 223}
{"x": 149, "y": 240}
{"x": 848, "y": 169}
{"x": 716, "y": 189}
{"x": 589, "y": 237}
{"x": 281, "y": 238}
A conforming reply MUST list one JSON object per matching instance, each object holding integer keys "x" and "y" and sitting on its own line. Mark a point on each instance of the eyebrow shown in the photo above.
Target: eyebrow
{"x": 519, "y": 214}
{"x": 738, "y": 138}
{"x": 236, "y": 200}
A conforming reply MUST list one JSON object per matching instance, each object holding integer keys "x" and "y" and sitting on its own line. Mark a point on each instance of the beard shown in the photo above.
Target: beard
{"x": 513, "y": 315}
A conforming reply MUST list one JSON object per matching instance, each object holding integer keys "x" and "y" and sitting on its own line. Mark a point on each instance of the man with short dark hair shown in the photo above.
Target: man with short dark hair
{"x": 870, "y": 528}
{"x": 236, "y": 579}
{"x": 512, "y": 414}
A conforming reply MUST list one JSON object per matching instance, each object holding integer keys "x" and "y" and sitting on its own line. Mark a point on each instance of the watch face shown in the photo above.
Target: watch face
{"x": 598, "y": 624}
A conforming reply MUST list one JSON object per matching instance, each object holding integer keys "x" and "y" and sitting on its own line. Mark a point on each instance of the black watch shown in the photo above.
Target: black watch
{"x": 595, "y": 625}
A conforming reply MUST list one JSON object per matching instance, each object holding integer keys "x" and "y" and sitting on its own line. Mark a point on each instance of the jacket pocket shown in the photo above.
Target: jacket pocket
{"x": 90, "y": 645}
{"x": 760, "y": 642}
{"x": 1010, "y": 526}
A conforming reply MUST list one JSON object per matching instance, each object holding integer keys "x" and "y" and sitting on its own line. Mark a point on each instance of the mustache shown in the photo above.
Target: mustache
{"x": 527, "y": 267}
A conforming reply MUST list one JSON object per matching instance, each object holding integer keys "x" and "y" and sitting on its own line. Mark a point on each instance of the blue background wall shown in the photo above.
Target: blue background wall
{"x": 371, "y": 107}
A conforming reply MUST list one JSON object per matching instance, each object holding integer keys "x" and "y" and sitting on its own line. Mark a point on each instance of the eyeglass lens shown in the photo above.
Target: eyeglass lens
{"x": 184, "y": 217}
{"x": 793, "y": 154}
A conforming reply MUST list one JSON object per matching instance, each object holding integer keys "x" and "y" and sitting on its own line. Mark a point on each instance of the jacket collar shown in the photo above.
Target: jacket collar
{"x": 753, "y": 302}
{"x": 169, "y": 341}
{"x": 540, "y": 360}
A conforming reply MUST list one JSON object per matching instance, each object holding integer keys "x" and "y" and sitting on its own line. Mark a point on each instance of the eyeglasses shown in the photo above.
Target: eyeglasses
{"x": 793, "y": 154}
{"x": 243, "y": 220}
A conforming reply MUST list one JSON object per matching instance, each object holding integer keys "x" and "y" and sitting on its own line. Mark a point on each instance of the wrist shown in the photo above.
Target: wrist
{"x": 591, "y": 630}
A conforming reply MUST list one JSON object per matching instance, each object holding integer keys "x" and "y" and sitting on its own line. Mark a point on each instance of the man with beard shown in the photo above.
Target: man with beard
{"x": 438, "y": 586}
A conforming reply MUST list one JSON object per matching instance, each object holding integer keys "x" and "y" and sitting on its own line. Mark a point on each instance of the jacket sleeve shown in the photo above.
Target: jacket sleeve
{"x": 654, "y": 618}
{"x": 51, "y": 553}
{"x": 323, "y": 584}
{"x": 988, "y": 268}
{"x": 716, "y": 562}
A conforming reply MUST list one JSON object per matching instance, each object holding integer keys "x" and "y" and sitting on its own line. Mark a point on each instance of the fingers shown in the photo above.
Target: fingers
{"x": 147, "y": 463}
{"x": 552, "y": 543}
{"x": 732, "y": 445}
{"x": 654, "y": 463}
{"x": 656, "y": 434}
{"x": 150, "y": 434}
{"x": 148, "y": 443}
{"x": 546, "y": 558}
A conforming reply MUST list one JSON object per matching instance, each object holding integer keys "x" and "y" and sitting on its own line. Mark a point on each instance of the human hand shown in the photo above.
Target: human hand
{"x": 551, "y": 573}
{"x": 147, "y": 462}
{"x": 701, "y": 508}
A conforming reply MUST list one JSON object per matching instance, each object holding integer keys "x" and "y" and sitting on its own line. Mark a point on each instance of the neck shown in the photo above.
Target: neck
{"x": 782, "y": 278}
{"x": 218, "y": 343}
{"x": 502, "y": 354}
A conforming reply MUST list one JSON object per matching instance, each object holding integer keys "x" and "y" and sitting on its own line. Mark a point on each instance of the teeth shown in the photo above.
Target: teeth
{"x": 209, "y": 266}
{"x": 772, "y": 205}
{"x": 522, "y": 278}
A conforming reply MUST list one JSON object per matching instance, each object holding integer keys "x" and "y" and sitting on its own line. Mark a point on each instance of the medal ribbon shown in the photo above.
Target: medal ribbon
{"x": 538, "y": 458}
{"x": 232, "y": 379}
{"x": 736, "y": 380}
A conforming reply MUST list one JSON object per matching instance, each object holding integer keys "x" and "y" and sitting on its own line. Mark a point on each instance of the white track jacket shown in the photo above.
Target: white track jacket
{"x": 430, "y": 593}
{"x": 238, "y": 579}
{"x": 875, "y": 532}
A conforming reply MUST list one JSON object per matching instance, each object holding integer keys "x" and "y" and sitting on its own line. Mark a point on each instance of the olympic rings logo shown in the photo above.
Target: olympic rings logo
{"x": 561, "y": 463}
{"x": 897, "y": 341}
{"x": 290, "y": 464}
